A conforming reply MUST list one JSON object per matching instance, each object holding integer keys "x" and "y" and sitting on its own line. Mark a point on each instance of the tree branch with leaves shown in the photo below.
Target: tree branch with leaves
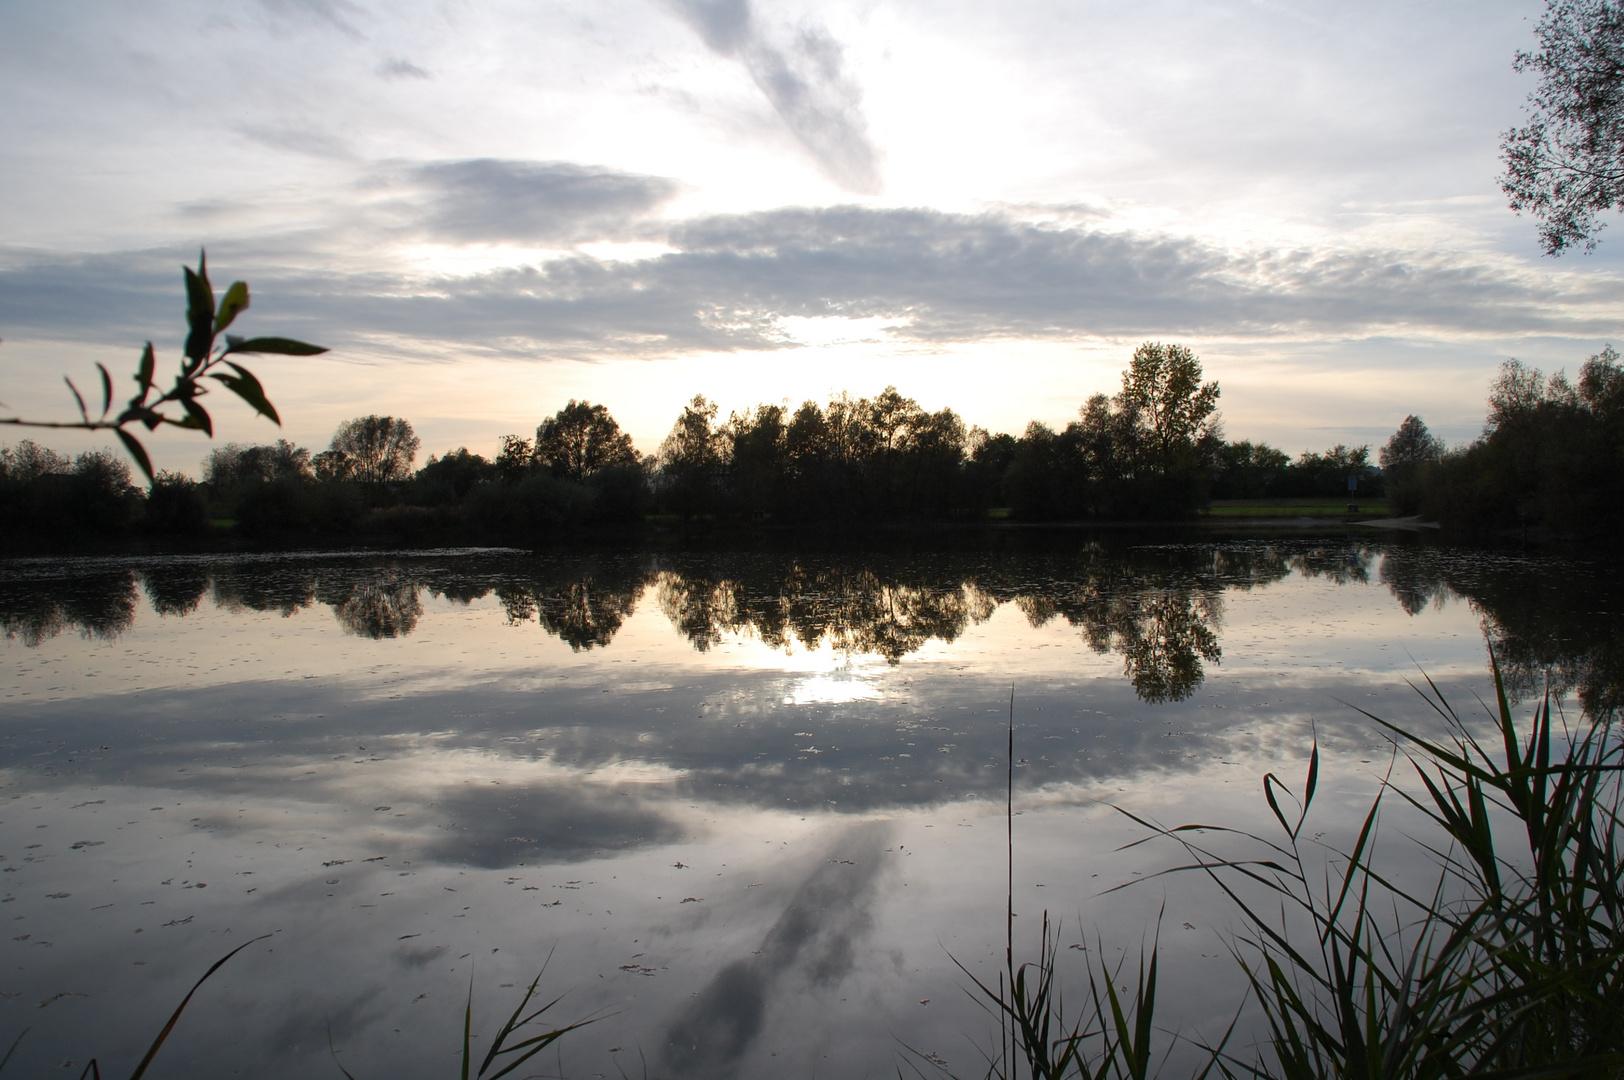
{"x": 1566, "y": 165}
{"x": 204, "y": 357}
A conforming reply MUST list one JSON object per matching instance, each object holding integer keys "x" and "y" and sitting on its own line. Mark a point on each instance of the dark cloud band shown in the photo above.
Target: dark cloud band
{"x": 943, "y": 277}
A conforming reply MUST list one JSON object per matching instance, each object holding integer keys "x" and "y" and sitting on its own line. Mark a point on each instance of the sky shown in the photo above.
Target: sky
{"x": 485, "y": 209}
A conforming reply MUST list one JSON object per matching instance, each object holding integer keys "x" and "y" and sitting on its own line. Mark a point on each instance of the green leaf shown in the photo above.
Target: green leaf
{"x": 282, "y": 345}
{"x": 137, "y": 451}
{"x": 79, "y": 398}
{"x": 1308, "y": 788}
{"x": 107, "y": 390}
{"x": 199, "y": 314}
{"x": 144, "y": 373}
{"x": 245, "y": 386}
{"x": 196, "y": 417}
{"x": 232, "y": 304}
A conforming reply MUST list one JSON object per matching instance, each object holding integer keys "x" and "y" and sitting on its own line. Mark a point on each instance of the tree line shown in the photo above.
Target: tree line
{"x": 1550, "y": 457}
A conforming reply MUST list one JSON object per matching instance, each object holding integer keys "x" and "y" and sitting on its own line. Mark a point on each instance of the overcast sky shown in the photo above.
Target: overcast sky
{"x": 487, "y": 208}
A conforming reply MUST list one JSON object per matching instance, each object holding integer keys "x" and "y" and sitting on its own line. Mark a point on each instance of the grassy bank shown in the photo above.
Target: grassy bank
{"x": 1297, "y": 508}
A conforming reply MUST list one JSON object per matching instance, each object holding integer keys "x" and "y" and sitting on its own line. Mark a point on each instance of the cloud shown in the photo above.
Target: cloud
{"x": 333, "y": 13}
{"x": 303, "y": 138}
{"x": 398, "y": 68}
{"x": 805, "y": 80}
{"x": 728, "y": 280}
{"x": 519, "y": 201}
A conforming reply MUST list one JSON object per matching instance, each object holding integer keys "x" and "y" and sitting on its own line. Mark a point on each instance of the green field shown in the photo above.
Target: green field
{"x": 1293, "y": 508}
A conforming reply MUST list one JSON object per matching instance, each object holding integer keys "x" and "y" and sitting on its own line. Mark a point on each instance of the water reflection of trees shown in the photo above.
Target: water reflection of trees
{"x": 382, "y": 607}
{"x": 1160, "y": 608}
{"x": 581, "y": 602}
{"x": 854, "y": 608}
{"x": 98, "y": 606}
{"x": 1164, "y": 633}
{"x": 1553, "y": 625}
{"x": 175, "y": 590}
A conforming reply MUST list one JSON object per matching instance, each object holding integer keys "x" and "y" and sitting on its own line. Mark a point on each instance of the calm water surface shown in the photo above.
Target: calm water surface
{"x": 750, "y": 805}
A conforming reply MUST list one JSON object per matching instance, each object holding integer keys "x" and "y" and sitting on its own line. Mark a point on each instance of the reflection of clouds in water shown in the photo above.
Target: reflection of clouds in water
{"x": 813, "y": 941}
{"x": 618, "y": 759}
{"x": 500, "y": 826}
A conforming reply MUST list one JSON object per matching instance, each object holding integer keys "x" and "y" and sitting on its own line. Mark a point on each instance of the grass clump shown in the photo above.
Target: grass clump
{"x": 1509, "y": 965}
{"x": 502, "y": 1057}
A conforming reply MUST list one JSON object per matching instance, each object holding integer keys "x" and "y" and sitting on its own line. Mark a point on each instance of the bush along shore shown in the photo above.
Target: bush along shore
{"x": 1550, "y": 462}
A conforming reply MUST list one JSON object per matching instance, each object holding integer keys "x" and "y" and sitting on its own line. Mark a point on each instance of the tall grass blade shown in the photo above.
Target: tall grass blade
{"x": 157, "y": 1044}
{"x": 14, "y": 1044}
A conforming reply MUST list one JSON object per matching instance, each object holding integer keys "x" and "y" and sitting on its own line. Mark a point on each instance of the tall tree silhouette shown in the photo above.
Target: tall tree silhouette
{"x": 580, "y": 439}
{"x": 375, "y": 448}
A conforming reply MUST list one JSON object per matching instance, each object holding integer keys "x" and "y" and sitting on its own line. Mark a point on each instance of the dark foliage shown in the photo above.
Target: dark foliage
{"x": 446, "y": 481}
{"x": 176, "y": 505}
{"x": 370, "y": 449}
{"x": 1406, "y": 458}
{"x": 581, "y": 439}
{"x": 203, "y": 358}
{"x": 1566, "y": 165}
{"x": 1551, "y": 457}
{"x": 44, "y": 497}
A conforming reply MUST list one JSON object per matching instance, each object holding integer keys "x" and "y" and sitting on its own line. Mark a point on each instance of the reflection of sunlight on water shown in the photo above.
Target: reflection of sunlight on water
{"x": 835, "y": 687}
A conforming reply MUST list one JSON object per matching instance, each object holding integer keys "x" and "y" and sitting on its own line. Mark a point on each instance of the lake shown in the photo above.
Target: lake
{"x": 747, "y": 807}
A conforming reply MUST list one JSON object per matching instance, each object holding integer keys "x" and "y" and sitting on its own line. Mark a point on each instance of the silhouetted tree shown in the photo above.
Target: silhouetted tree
{"x": 234, "y": 464}
{"x": 989, "y": 459}
{"x": 580, "y": 439}
{"x": 175, "y": 504}
{"x": 1410, "y": 451}
{"x": 375, "y": 449}
{"x": 514, "y": 458}
{"x": 45, "y": 496}
{"x": 1248, "y": 470}
{"x": 758, "y": 456}
{"x": 1326, "y": 474}
{"x": 448, "y": 480}
{"x": 1037, "y": 474}
{"x": 1551, "y": 455}
{"x": 28, "y": 460}
{"x": 691, "y": 458}
{"x": 1163, "y": 387}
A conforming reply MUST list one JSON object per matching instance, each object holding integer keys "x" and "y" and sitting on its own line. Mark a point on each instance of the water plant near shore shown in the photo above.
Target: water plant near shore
{"x": 501, "y": 1056}
{"x": 1510, "y": 965}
